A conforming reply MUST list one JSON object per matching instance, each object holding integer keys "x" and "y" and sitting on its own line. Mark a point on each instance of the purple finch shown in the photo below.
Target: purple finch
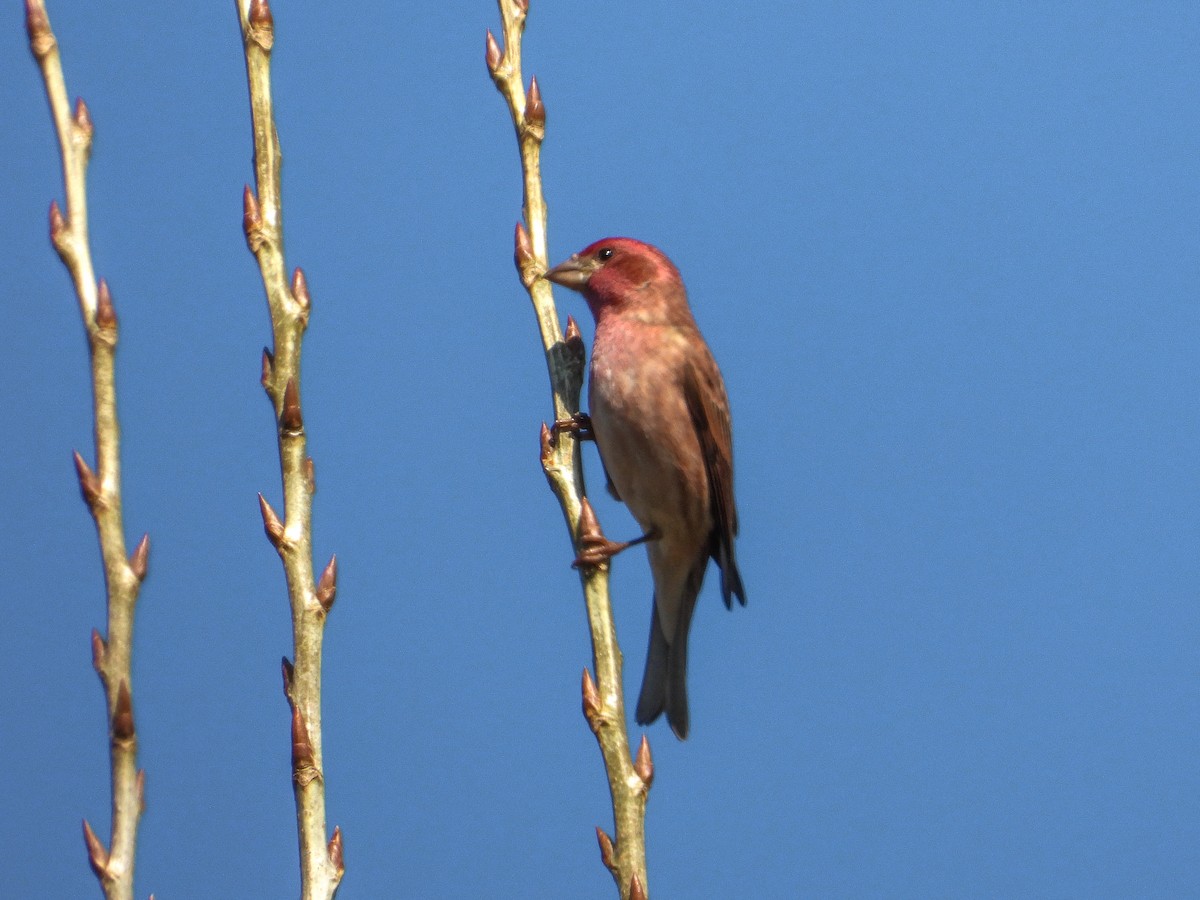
{"x": 660, "y": 418}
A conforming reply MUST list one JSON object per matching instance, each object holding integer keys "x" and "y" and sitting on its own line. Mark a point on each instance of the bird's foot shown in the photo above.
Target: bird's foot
{"x": 595, "y": 549}
{"x": 578, "y": 424}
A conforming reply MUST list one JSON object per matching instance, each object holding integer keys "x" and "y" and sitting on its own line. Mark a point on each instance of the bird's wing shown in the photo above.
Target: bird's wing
{"x": 709, "y": 408}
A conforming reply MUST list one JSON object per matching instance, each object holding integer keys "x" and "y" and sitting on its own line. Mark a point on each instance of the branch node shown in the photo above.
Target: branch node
{"x": 97, "y": 853}
{"x": 492, "y": 54}
{"x": 534, "y": 124}
{"x": 300, "y": 290}
{"x": 271, "y": 524}
{"x": 606, "y": 848}
{"x": 291, "y": 422}
{"x": 122, "y": 720}
{"x": 89, "y": 484}
{"x": 268, "y": 368}
{"x": 98, "y": 651}
{"x": 336, "y": 855}
{"x": 252, "y": 222}
{"x": 262, "y": 24}
{"x": 644, "y": 764}
{"x": 106, "y": 315}
{"x": 591, "y": 703}
{"x": 327, "y": 585}
{"x": 304, "y": 766}
{"x": 84, "y": 130}
{"x": 139, "y": 561}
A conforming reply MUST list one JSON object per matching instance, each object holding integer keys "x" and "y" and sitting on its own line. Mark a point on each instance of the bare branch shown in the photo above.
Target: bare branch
{"x": 603, "y": 701}
{"x": 321, "y": 865}
{"x": 101, "y": 488}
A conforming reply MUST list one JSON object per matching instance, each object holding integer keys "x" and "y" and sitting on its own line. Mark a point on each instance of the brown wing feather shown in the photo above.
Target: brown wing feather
{"x": 709, "y": 407}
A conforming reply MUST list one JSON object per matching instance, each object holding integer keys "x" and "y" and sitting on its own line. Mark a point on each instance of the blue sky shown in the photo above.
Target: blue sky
{"x": 946, "y": 255}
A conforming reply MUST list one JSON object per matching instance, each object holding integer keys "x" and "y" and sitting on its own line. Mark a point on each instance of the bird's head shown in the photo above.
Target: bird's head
{"x": 621, "y": 275}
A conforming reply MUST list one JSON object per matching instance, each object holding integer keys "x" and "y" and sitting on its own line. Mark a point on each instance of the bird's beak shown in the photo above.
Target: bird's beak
{"x": 574, "y": 273}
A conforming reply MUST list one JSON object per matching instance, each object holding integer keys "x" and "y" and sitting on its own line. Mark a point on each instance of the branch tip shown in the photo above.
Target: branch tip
{"x": 636, "y": 891}
{"x": 327, "y": 585}
{"x": 37, "y": 25}
{"x": 644, "y": 764}
{"x": 139, "y": 561}
{"x": 122, "y": 720}
{"x": 89, "y": 484}
{"x": 271, "y": 524}
{"x": 97, "y": 853}
{"x": 606, "y": 847}
{"x": 262, "y": 24}
{"x": 290, "y": 419}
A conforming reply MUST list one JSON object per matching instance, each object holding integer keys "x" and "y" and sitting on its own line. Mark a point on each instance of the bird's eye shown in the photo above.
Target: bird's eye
{"x": 605, "y": 254}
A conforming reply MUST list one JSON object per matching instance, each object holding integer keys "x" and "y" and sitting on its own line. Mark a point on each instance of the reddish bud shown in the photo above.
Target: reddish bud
{"x": 327, "y": 585}
{"x": 106, "y": 316}
{"x": 591, "y": 701}
{"x": 572, "y": 334}
{"x": 310, "y": 475}
{"x": 97, "y": 854}
{"x": 289, "y": 676}
{"x": 268, "y": 366}
{"x": 290, "y": 419}
{"x": 252, "y": 222}
{"x": 636, "y": 891}
{"x": 336, "y": 856}
{"x": 535, "y": 111}
{"x": 547, "y": 438}
{"x": 644, "y": 765}
{"x": 89, "y": 484}
{"x": 262, "y": 24}
{"x": 522, "y": 248}
{"x": 300, "y": 288}
{"x": 522, "y": 6}
{"x": 589, "y": 525}
{"x": 122, "y": 720}
{"x": 37, "y": 24}
{"x": 606, "y": 847}
{"x": 271, "y": 524}
{"x": 84, "y": 128}
{"x": 492, "y": 53}
{"x": 139, "y": 561}
{"x": 58, "y": 225}
{"x": 98, "y": 650}
{"x": 141, "y": 790}
{"x": 303, "y": 764}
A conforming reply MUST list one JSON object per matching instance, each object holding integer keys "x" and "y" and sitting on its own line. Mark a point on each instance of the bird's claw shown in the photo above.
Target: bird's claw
{"x": 596, "y": 550}
{"x": 578, "y": 424}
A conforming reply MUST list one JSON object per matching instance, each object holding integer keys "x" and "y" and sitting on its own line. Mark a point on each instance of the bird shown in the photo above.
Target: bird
{"x": 659, "y": 415}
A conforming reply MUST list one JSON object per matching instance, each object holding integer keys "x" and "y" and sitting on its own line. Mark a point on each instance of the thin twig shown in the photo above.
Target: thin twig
{"x": 321, "y": 864}
{"x": 603, "y": 700}
{"x": 101, "y": 488}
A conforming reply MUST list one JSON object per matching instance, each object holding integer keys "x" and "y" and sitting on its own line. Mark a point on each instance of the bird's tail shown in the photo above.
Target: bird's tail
{"x": 664, "y": 684}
